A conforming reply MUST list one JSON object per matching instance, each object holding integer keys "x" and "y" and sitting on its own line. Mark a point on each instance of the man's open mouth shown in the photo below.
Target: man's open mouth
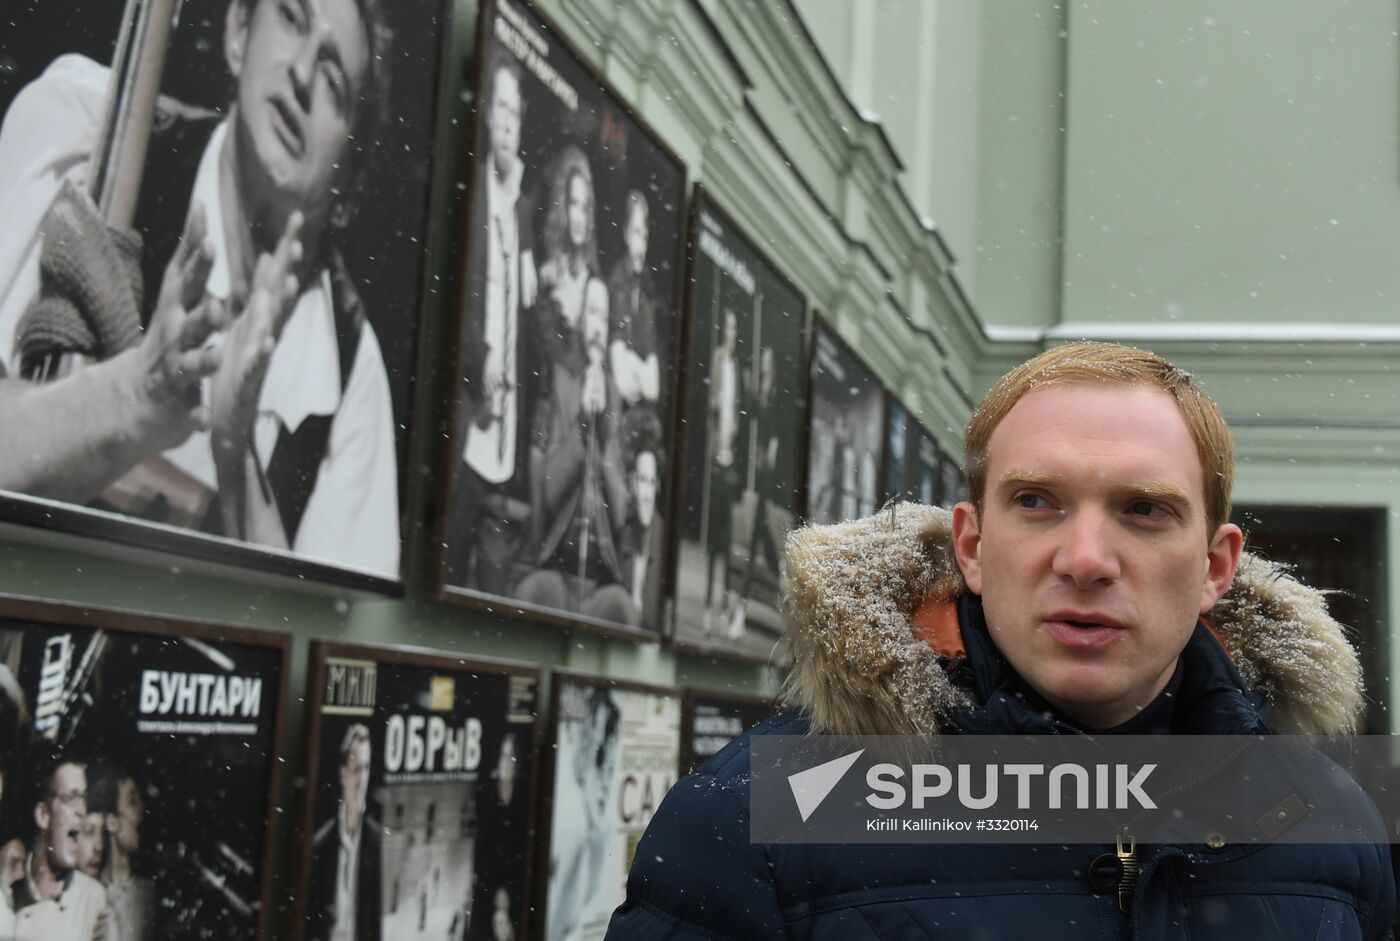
{"x": 287, "y": 125}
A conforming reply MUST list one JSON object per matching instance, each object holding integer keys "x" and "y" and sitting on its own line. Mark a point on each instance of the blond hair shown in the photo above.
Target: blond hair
{"x": 1108, "y": 363}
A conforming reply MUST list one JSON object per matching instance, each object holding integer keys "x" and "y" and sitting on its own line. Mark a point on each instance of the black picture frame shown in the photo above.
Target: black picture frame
{"x": 845, "y": 431}
{"x": 544, "y": 501}
{"x": 179, "y": 726}
{"x": 453, "y": 829}
{"x": 341, "y": 486}
{"x": 757, "y": 498}
{"x": 913, "y": 461}
{"x": 598, "y": 728}
{"x": 711, "y": 719}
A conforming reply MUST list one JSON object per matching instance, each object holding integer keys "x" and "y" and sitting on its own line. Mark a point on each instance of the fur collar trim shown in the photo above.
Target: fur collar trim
{"x": 857, "y": 669}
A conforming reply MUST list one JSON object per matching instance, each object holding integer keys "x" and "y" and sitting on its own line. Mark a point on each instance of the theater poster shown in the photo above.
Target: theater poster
{"x": 140, "y": 148}
{"x": 913, "y": 460}
{"x": 711, "y": 720}
{"x": 846, "y": 432}
{"x": 139, "y": 762}
{"x": 420, "y": 771}
{"x": 556, "y": 477}
{"x": 742, "y": 457}
{"x": 615, "y": 747}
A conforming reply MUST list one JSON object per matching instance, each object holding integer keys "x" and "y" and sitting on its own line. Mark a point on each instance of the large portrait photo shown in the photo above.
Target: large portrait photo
{"x": 913, "y": 460}
{"x": 556, "y": 469}
{"x": 615, "y": 749}
{"x": 216, "y": 219}
{"x": 741, "y": 467}
{"x": 845, "y": 433}
{"x": 421, "y": 773}
{"x": 138, "y": 775}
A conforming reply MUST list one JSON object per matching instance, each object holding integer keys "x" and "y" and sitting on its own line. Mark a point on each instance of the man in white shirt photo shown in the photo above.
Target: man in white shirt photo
{"x": 300, "y": 454}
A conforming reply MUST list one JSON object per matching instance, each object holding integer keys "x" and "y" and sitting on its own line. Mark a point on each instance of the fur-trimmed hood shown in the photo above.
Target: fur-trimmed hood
{"x": 856, "y": 667}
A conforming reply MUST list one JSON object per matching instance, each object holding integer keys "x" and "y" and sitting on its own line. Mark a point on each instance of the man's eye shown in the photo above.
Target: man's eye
{"x": 290, "y": 14}
{"x": 1145, "y": 508}
{"x": 1031, "y": 501}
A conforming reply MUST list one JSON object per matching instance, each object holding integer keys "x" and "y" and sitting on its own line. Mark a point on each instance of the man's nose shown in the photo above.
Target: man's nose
{"x": 1087, "y": 554}
{"x": 303, "y": 69}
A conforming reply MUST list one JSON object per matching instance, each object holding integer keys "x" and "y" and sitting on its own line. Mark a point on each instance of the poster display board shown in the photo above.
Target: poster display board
{"x": 846, "y": 431}
{"x": 711, "y": 720}
{"x": 614, "y": 748}
{"x": 139, "y": 762}
{"x": 555, "y": 477}
{"x": 913, "y": 460}
{"x": 741, "y": 442}
{"x": 421, "y": 771}
{"x": 223, "y": 301}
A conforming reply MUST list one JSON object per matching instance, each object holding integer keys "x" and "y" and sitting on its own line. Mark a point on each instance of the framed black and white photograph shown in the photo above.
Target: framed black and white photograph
{"x": 139, "y": 767}
{"x": 913, "y": 460}
{"x": 613, "y": 749}
{"x": 710, "y": 720}
{"x": 555, "y": 475}
{"x": 421, "y": 781}
{"x": 211, "y": 274}
{"x": 740, "y": 474}
{"x": 845, "y": 431}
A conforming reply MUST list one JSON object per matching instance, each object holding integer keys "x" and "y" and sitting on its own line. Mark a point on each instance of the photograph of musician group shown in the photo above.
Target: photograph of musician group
{"x": 211, "y": 301}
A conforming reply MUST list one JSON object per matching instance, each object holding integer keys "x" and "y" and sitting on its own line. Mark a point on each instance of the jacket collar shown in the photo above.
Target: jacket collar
{"x": 857, "y": 668}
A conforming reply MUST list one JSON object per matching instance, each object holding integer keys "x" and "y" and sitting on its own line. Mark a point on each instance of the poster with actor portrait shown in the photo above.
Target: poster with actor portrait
{"x": 843, "y": 457}
{"x": 211, "y": 269}
{"x": 741, "y": 468}
{"x": 913, "y": 460}
{"x": 710, "y": 720}
{"x": 421, "y": 771}
{"x": 615, "y": 748}
{"x": 138, "y": 774}
{"x": 555, "y": 474}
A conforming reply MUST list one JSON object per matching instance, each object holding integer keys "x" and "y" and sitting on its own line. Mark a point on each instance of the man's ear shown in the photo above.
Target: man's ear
{"x": 967, "y": 545}
{"x": 1222, "y": 558}
{"x": 236, "y": 36}
{"x": 41, "y": 815}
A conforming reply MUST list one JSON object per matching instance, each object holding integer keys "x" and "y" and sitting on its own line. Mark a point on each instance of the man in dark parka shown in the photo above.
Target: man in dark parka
{"x": 1092, "y": 583}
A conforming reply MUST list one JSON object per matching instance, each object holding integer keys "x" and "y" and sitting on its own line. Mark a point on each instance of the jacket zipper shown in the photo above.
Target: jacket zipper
{"x": 1128, "y": 865}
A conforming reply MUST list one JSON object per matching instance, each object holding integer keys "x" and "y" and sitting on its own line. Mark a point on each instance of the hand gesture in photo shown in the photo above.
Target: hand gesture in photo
{"x": 595, "y": 388}
{"x": 249, "y": 342}
{"x": 172, "y": 357}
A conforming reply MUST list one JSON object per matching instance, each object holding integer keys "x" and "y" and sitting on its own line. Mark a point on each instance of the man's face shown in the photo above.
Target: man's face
{"x": 577, "y": 210}
{"x": 1091, "y": 556}
{"x": 354, "y": 784}
{"x": 60, "y": 817}
{"x": 131, "y": 810}
{"x": 595, "y": 315}
{"x": 636, "y": 236}
{"x": 301, "y": 67}
{"x": 12, "y": 862}
{"x": 503, "y": 120}
{"x": 90, "y": 845}
{"x": 644, "y": 482}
